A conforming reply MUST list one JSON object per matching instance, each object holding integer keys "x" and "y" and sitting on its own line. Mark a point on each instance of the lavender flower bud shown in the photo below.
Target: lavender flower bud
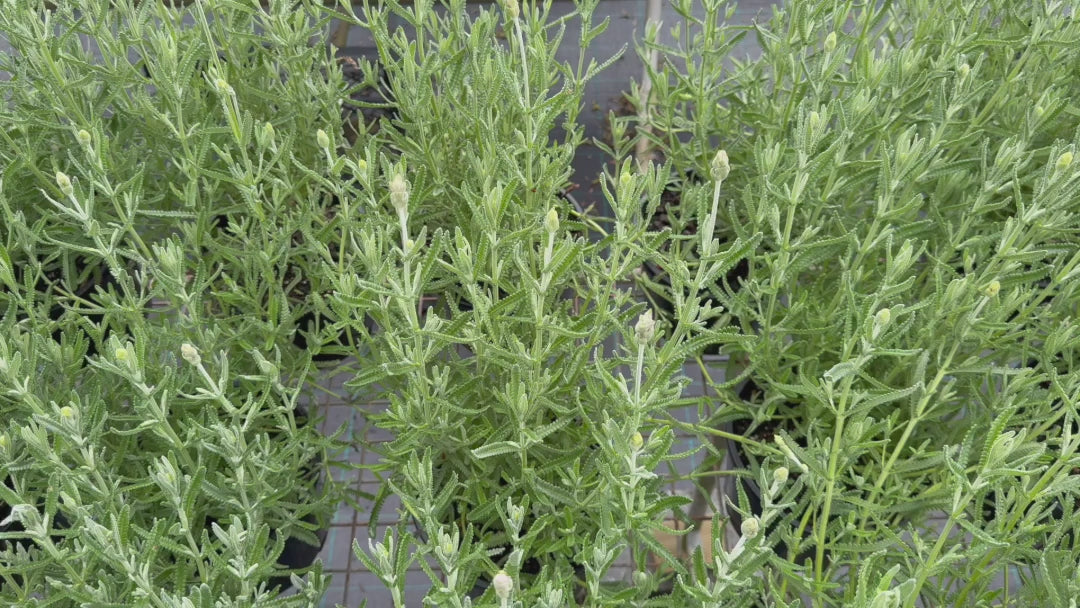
{"x": 551, "y": 221}
{"x": 883, "y": 316}
{"x": 190, "y": 354}
{"x": 399, "y": 194}
{"x": 513, "y": 11}
{"x": 830, "y": 42}
{"x": 992, "y": 289}
{"x": 84, "y": 137}
{"x": 1064, "y": 161}
{"x": 223, "y": 87}
{"x": 503, "y": 585}
{"x": 645, "y": 329}
{"x": 64, "y": 182}
{"x": 780, "y": 475}
{"x": 720, "y": 168}
{"x": 322, "y": 138}
{"x": 750, "y": 528}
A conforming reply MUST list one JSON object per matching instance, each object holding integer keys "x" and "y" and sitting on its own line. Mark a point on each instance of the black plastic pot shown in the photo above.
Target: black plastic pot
{"x": 748, "y": 393}
{"x": 297, "y": 554}
{"x": 529, "y": 567}
{"x": 990, "y": 502}
{"x": 59, "y": 522}
{"x": 370, "y": 104}
{"x": 310, "y": 323}
{"x": 51, "y": 283}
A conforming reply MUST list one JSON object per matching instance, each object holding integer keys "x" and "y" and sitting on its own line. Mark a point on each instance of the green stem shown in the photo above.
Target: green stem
{"x": 834, "y": 458}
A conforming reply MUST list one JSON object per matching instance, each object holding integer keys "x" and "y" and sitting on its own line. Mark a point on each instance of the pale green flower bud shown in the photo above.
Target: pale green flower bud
{"x": 322, "y": 138}
{"x": 1064, "y": 161}
{"x": 1001, "y": 449}
{"x": 399, "y": 194}
{"x": 889, "y": 598}
{"x": 645, "y": 329}
{"x": 446, "y": 545}
{"x": 223, "y": 87}
{"x": 381, "y": 552}
{"x": 3, "y": 443}
{"x": 780, "y": 475}
{"x": 883, "y": 316}
{"x": 84, "y": 137}
{"x": 64, "y": 182}
{"x": 121, "y": 354}
{"x": 637, "y": 441}
{"x": 362, "y": 165}
{"x": 190, "y": 354}
{"x": 992, "y": 289}
{"x": 881, "y": 319}
{"x": 268, "y": 132}
{"x": 551, "y": 221}
{"x": 67, "y": 413}
{"x": 815, "y": 121}
{"x": 1039, "y": 111}
{"x": 513, "y": 11}
{"x": 750, "y": 527}
{"x": 965, "y": 69}
{"x": 830, "y": 42}
{"x": 503, "y": 585}
{"x": 720, "y": 168}
{"x": 409, "y": 245}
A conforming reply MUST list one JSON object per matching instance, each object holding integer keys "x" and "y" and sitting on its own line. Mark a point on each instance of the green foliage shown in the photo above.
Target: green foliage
{"x": 131, "y": 475}
{"x": 140, "y": 476}
{"x": 137, "y": 121}
{"x": 905, "y": 171}
{"x": 517, "y": 366}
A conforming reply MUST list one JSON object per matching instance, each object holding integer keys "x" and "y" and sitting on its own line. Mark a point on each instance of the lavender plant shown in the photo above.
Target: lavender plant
{"x": 523, "y": 446}
{"x": 156, "y": 473}
{"x": 200, "y": 121}
{"x": 905, "y": 174}
{"x": 520, "y": 421}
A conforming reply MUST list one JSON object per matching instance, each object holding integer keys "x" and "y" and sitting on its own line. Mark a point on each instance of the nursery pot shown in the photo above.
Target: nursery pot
{"x": 296, "y": 554}
{"x": 59, "y": 522}
{"x": 749, "y": 485}
{"x": 99, "y": 277}
{"x": 310, "y": 322}
{"x": 529, "y": 567}
{"x": 989, "y": 503}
